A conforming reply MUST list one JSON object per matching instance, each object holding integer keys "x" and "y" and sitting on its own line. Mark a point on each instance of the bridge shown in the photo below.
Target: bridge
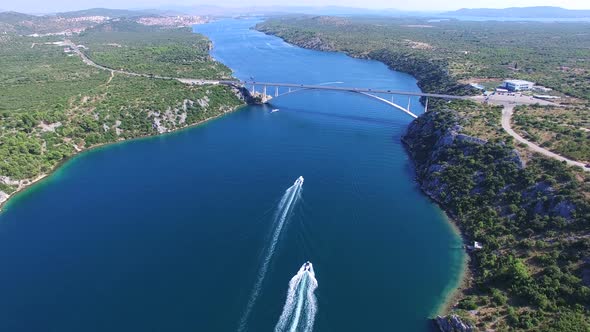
{"x": 265, "y": 97}
{"x": 291, "y": 88}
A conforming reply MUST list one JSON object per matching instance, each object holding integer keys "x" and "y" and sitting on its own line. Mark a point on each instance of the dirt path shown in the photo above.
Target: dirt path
{"x": 508, "y": 103}
{"x": 110, "y": 78}
{"x": 506, "y": 124}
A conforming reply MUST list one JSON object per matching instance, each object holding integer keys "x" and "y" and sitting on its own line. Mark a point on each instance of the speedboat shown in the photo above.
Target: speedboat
{"x": 274, "y": 110}
{"x": 307, "y": 266}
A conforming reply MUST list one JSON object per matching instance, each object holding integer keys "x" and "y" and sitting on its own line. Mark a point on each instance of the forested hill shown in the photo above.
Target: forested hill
{"x": 533, "y": 271}
{"x": 53, "y": 105}
{"x": 63, "y": 23}
{"x": 530, "y": 213}
{"x": 522, "y": 12}
{"x": 440, "y": 53}
{"x": 112, "y": 13}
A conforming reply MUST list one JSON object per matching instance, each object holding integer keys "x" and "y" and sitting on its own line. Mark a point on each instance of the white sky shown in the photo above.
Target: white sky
{"x": 422, "y": 5}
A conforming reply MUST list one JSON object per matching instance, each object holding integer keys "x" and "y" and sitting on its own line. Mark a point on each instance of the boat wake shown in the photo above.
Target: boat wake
{"x": 328, "y": 83}
{"x": 282, "y": 216}
{"x": 301, "y": 305}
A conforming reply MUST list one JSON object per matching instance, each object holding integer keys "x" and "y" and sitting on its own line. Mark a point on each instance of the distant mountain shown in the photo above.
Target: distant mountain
{"x": 14, "y": 17}
{"x": 113, "y": 13}
{"x": 280, "y": 9}
{"x": 67, "y": 22}
{"x": 522, "y": 12}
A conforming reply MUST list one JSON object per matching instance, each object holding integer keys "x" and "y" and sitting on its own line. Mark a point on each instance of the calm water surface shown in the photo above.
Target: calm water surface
{"x": 168, "y": 233}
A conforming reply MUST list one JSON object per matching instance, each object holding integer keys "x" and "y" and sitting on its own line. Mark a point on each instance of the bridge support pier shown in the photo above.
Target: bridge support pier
{"x": 426, "y": 105}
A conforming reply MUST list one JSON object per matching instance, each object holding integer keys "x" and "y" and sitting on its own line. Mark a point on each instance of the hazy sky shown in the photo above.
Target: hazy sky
{"x": 40, "y": 6}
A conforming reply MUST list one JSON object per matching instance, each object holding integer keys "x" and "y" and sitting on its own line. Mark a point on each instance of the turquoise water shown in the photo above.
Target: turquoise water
{"x": 169, "y": 233}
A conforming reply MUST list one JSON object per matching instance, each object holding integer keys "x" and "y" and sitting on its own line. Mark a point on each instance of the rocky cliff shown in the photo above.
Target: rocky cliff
{"x": 451, "y": 165}
{"x": 452, "y": 323}
{"x": 432, "y": 74}
{"x": 512, "y": 210}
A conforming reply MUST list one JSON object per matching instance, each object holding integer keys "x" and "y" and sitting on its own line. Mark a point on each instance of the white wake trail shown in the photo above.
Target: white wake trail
{"x": 301, "y": 304}
{"x": 284, "y": 210}
{"x": 328, "y": 83}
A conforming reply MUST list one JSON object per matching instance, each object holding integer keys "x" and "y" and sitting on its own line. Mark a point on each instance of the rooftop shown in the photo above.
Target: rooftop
{"x": 518, "y": 82}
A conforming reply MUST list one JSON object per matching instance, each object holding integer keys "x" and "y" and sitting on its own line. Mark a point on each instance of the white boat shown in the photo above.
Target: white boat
{"x": 274, "y": 110}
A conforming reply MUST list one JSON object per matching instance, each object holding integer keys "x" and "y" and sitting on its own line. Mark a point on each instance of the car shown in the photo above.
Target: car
{"x": 587, "y": 165}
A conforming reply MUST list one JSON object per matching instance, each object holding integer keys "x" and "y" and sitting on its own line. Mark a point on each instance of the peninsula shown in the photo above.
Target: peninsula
{"x": 83, "y": 79}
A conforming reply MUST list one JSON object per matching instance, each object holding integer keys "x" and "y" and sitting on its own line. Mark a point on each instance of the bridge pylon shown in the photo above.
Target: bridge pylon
{"x": 276, "y": 91}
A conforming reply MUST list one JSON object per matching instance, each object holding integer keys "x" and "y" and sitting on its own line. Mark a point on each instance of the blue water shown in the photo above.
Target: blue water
{"x": 168, "y": 233}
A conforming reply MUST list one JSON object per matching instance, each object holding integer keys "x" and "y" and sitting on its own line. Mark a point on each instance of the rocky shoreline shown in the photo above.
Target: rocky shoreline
{"x": 453, "y": 323}
{"x": 472, "y": 180}
{"x": 448, "y": 323}
{"x": 28, "y": 183}
{"x": 432, "y": 75}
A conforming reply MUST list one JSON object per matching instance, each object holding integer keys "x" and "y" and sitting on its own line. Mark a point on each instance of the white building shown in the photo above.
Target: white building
{"x": 518, "y": 85}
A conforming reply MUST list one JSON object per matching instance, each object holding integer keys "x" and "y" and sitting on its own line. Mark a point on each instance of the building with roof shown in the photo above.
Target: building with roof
{"x": 518, "y": 85}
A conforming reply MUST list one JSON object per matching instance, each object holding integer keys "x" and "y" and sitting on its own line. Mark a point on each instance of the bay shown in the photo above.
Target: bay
{"x": 168, "y": 233}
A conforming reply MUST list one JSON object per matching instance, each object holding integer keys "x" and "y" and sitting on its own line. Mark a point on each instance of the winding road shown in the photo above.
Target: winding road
{"x": 508, "y": 102}
{"x": 506, "y": 124}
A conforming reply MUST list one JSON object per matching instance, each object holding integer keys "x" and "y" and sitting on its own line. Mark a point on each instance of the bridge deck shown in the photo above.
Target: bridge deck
{"x": 337, "y": 88}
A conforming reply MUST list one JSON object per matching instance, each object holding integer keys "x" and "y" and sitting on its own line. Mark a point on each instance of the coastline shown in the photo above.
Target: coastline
{"x": 465, "y": 278}
{"x": 450, "y": 298}
{"x": 466, "y": 275}
{"x": 39, "y": 179}
{"x": 422, "y": 77}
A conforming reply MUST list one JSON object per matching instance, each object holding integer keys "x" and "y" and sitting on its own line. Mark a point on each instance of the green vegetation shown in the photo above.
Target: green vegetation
{"x": 112, "y": 13}
{"x": 53, "y": 105}
{"x": 440, "y": 53}
{"x": 25, "y": 24}
{"x": 533, "y": 273}
{"x": 130, "y": 46}
{"x": 532, "y": 221}
{"x": 565, "y": 131}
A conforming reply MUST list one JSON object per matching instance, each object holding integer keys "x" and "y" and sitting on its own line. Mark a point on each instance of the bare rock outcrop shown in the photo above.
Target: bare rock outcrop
{"x": 453, "y": 323}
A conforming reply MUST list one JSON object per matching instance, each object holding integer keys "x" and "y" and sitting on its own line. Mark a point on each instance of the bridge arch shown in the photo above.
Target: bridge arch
{"x": 390, "y": 103}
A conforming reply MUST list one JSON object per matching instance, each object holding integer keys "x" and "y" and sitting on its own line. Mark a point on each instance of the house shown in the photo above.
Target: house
{"x": 518, "y": 85}
{"x": 476, "y": 246}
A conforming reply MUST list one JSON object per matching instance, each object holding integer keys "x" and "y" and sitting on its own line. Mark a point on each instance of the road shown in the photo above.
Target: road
{"x": 352, "y": 89}
{"x": 509, "y": 102}
{"x": 88, "y": 61}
